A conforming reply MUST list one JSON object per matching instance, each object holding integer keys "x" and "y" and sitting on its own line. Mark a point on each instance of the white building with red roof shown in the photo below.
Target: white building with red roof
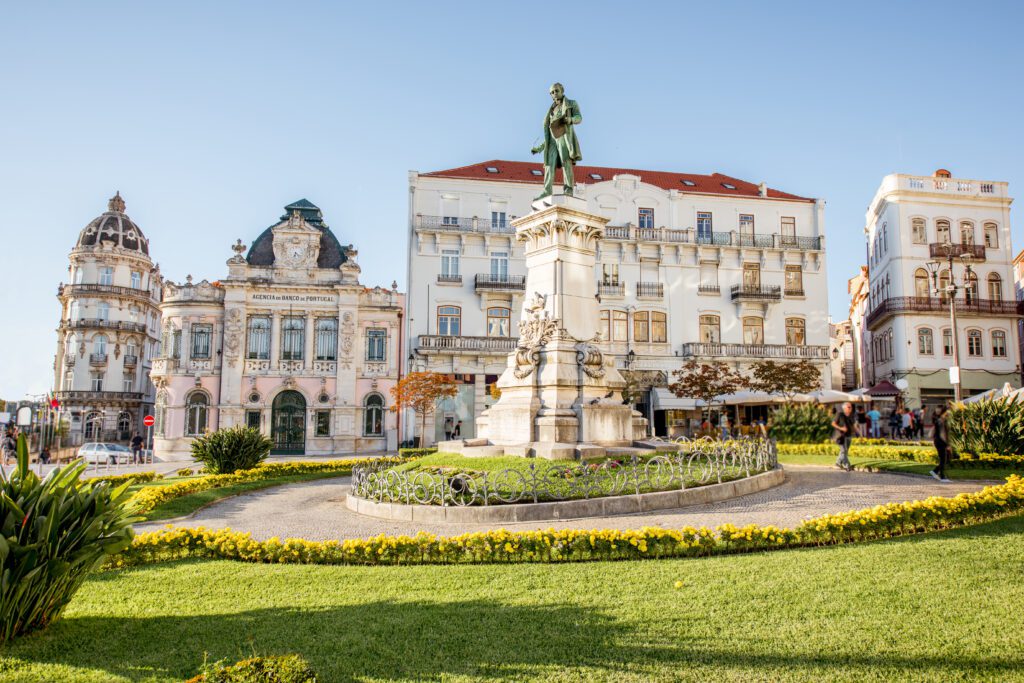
{"x": 706, "y": 267}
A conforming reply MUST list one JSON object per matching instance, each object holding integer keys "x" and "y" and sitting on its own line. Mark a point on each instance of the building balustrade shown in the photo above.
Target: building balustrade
{"x": 944, "y": 249}
{"x": 131, "y": 359}
{"x": 611, "y": 288}
{"x": 650, "y": 290}
{"x": 105, "y": 324}
{"x": 113, "y": 290}
{"x": 756, "y": 293}
{"x": 719, "y": 350}
{"x": 256, "y": 365}
{"x": 793, "y": 291}
{"x": 460, "y": 224}
{"x": 449, "y": 279}
{"x": 434, "y": 343}
{"x": 714, "y": 238}
{"x": 97, "y": 359}
{"x": 501, "y": 283}
{"x": 704, "y": 288}
{"x": 933, "y": 304}
{"x": 71, "y": 397}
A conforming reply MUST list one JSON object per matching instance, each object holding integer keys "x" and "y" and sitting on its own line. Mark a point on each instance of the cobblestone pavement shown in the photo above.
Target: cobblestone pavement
{"x": 316, "y": 510}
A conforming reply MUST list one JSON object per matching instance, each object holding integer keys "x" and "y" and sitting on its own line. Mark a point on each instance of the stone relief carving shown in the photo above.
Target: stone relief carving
{"x": 535, "y": 331}
{"x": 590, "y": 359}
{"x": 348, "y": 330}
{"x": 233, "y": 336}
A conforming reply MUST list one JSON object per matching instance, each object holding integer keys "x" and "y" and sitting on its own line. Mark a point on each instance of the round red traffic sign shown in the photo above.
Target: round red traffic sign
{"x": 149, "y": 420}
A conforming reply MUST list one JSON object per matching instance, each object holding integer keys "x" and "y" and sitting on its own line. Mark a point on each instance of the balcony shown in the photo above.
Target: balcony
{"x": 459, "y": 224}
{"x": 97, "y": 359}
{"x": 611, "y": 288}
{"x": 763, "y": 293}
{"x": 499, "y": 283}
{"x": 650, "y": 290}
{"x": 449, "y": 279}
{"x": 718, "y": 239}
{"x": 784, "y": 351}
{"x": 704, "y": 288}
{"x": 933, "y": 304}
{"x": 109, "y": 290}
{"x": 72, "y": 397}
{"x": 436, "y": 343}
{"x": 131, "y": 360}
{"x": 793, "y": 291}
{"x": 944, "y": 249}
{"x": 105, "y": 324}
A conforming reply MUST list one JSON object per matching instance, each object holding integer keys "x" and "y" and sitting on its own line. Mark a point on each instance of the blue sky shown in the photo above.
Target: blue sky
{"x": 209, "y": 117}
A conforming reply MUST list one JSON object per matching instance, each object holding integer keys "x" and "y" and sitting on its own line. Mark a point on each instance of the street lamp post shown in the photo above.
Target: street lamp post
{"x": 950, "y": 290}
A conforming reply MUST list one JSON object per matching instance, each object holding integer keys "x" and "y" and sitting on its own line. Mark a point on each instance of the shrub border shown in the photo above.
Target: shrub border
{"x": 580, "y": 545}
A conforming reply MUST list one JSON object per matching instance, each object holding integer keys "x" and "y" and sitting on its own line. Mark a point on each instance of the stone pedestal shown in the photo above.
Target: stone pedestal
{"x": 560, "y": 397}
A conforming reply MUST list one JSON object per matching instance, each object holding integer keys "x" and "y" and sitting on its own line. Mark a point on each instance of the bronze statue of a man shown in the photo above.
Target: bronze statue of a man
{"x": 561, "y": 148}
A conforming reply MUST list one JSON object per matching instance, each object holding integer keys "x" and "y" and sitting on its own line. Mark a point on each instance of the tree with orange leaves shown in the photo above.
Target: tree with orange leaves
{"x": 421, "y": 391}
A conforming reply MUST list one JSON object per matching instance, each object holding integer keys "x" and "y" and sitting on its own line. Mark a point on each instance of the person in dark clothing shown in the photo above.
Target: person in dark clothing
{"x": 137, "y": 448}
{"x": 940, "y": 438}
{"x": 44, "y": 455}
{"x": 843, "y": 428}
{"x": 457, "y": 432}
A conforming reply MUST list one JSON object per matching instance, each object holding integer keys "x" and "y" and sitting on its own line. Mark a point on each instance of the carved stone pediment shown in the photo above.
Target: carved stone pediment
{"x": 296, "y": 243}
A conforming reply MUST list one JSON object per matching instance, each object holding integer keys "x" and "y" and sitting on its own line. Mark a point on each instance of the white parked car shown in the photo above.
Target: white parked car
{"x": 105, "y": 453}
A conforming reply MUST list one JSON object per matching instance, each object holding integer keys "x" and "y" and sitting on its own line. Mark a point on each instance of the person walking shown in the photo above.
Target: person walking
{"x": 908, "y": 423}
{"x": 137, "y": 449}
{"x": 457, "y": 432}
{"x": 723, "y": 424}
{"x": 842, "y": 434}
{"x": 940, "y": 437}
{"x": 9, "y": 446}
{"x": 876, "y": 422}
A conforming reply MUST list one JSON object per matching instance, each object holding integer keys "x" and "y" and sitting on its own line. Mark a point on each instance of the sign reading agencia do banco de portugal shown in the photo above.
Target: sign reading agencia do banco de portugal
{"x": 277, "y": 297}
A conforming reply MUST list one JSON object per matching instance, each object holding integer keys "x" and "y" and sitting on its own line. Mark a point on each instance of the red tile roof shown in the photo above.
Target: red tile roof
{"x": 520, "y": 172}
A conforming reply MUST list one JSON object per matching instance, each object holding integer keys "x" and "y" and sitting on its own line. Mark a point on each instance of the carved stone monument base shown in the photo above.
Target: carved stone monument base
{"x": 560, "y": 397}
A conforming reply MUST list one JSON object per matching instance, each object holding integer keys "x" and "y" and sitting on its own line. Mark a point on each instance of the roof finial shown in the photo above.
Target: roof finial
{"x": 116, "y": 203}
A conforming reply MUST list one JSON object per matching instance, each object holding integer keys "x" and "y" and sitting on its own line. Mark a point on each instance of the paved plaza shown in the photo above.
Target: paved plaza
{"x": 316, "y": 510}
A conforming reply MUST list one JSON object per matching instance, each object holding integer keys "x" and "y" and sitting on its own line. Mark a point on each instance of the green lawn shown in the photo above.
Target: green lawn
{"x": 901, "y": 466}
{"x": 938, "y": 607}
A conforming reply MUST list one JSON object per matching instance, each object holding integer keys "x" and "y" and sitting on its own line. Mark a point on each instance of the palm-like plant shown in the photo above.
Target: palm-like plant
{"x": 227, "y": 450}
{"x": 987, "y": 427}
{"x": 801, "y": 423}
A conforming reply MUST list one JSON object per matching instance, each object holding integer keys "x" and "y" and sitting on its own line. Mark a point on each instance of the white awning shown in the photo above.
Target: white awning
{"x": 666, "y": 400}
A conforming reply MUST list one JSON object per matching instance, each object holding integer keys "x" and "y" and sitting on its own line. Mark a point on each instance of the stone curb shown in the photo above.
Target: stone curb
{"x": 569, "y": 509}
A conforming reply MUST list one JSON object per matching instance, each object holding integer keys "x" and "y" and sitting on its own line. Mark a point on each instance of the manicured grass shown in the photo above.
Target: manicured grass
{"x": 939, "y": 607}
{"x": 991, "y": 473}
{"x": 188, "y": 504}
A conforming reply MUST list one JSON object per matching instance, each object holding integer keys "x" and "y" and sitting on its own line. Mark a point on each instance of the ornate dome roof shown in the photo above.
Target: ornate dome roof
{"x": 114, "y": 226}
{"x": 332, "y": 253}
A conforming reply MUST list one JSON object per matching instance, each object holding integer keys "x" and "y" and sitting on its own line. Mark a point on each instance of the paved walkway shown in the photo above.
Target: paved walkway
{"x": 316, "y": 510}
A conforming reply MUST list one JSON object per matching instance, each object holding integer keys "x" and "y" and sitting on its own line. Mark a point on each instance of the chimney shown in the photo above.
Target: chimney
{"x": 762, "y": 190}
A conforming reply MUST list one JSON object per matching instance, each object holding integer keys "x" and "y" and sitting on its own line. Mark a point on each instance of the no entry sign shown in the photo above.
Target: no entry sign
{"x": 149, "y": 421}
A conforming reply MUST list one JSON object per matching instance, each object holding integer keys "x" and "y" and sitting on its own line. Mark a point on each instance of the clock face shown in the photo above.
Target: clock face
{"x": 296, "y": 252}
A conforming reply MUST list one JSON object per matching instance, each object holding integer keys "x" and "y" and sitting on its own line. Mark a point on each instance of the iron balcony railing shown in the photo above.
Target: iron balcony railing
{"x": 80, "y": 396}
{"x": 934, "y": 304}
{"x": 756, "y": 293}
{"x": 130, "y": 359}
{"x": 106, "y": 324}
{"x": 793, "y": 291}
{"x": 715, "y": 238}
{"x": 611, "y": 288}
{"x": 434, "y": 343}
{"x": 650, "y": 290}
{"x": 97, "y": 359}
{"x": 116, "y": 290}
{"x": 944, "y": 249}
{"x": 500, "y": 282}
{"x": 450, "y": 279}
{"x": 703, "y": 288}
{"x": 461, "y": 224}
{"x": 719, "y": 350}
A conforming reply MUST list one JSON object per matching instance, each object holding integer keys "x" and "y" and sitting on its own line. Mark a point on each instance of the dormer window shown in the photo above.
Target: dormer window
{"x": 534, "y": 171}
{"x": 596, "y": 176}
{"x": 689, "y": 183}
{"x": 729, "y": 186}
{"x": 492, "y": 169}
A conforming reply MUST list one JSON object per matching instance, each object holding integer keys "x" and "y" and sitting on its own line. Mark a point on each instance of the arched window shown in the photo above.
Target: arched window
{"x": 918, "y": 231}
{"x": 991, "y": 235}
{"x": 160, "y": 413}
{"x": 659, "y": 327}
{"x": 449, "y": 321}
{"x": 70, "y": 344}
{"x": 99, "y": 344}
{"x": 196, "y": 408}
{"x": 124, "y": 426}
{"x": 710, "y": 329}
{"x": 974, "y": 343}
{"x": 499, "y": 321}
{"x": 971, "y": 287}
{"x": 373, "y": 415}
{"x": 995, "y": 287}
{"x": 999, "y": 344}
{"x": 925, "y": 341}
{"x": 796, "y": 332}
{"x": 641, "y": 326}
{"x": 966, "y": 232}
{"x": 943, "y": 284}
{"x": 93, "y": 426}
{"x": 942, "y": 231}
{"x": 103, "y": 310}
{"x": 753, "y": 330}
{"x": 921, "y": 283}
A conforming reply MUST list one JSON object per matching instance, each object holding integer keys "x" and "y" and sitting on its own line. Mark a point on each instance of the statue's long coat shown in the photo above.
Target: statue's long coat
{"x": 569, "y": 137}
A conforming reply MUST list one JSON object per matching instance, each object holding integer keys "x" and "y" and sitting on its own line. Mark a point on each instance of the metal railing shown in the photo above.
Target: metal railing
{"x": 702, "y": 462}
{"x": 450, "y": 279}
{"x": 106, "y": 324}
{"x": 793, "y": 291}
{"x": 611, "y": 288}
{"x": 756, "y": 293}
{"x": 651, "y": 290}
{"x": 462, "y": 224}
{"x": 79, "y": 396}
{"x": 97, "y": 359}
{"x": 439, "y": 342}
{"x": 934, "y": 304}
{"x": 717, "y": 350}
{"x": 500, "y": 282}
{"x": 75, "y": 290}
{"x": 944, "y": 249}
{"x": 130, "y": 359}
{"x": 703, "y": 288}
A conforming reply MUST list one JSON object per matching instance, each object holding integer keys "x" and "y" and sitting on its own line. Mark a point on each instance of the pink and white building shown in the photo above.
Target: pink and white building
{"x": 289, "y": 342}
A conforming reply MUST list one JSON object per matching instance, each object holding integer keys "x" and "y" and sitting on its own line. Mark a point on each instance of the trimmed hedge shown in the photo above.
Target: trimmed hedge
{"x": 575, "y": 545}
{"x": 131, "y": 478}
{"x": 992, "y": 460}
{"x": 912, "y": 453}
{"x": 416, "y": 452}
{"x": 281, "y": 669}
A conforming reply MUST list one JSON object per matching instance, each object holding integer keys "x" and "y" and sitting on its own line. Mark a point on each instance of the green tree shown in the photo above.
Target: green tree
{"x": 705, "y": 381}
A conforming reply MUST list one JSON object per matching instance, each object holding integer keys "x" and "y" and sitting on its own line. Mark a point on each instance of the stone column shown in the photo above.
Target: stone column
{"x": 310, "y": 341}
{"x": 275, "y": 340}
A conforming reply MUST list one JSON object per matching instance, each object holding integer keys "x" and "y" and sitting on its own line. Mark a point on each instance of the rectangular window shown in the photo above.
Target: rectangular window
{"x": 498, "y": 322}
{"x": 746, "y": 224}
{"x": 176, "y": 344}
{"x": 620, "y": 324}
{"x": 753, "y": 331}
{"x": 127, "y": 385}
{"x": 106, "y": 276}
{"x": 499, "y": 265}
{"x": 136, "y": 279}
{"x": 709, "y": 276}
{"x": 788, "y": 226}
{"x": 258, "y": 346}
{"x": 130, "y": 349}
{"x": 794, "y": 280}
{"x": 327, "y": 339}
{"x": 609, "y": 273}
{"x": 323, "y": 423}
{"x": 703, "y": 226}
{"x": 641, "y": 326}
{"x": 925, "y": 345}
{"x": 498, "y": 220}
{"x": 293, "y": 336}
{"x": 751, "y": 276}
{"x": 449, "y": 321}
{"x": 659, "y": 328}
{"x": 918, "y": 231}
{"x": 796, "y": 332}
{"x": 202, "y": 339}
{"x": 252, "y": 419}
{"x": 646, "y": 218}
{"x": 999, "y": 344}
{"x": 710, "y": 329}
{"x": 449, "y": 262}
{"x": 974, "y": 343}
{"x": 376, "y": 344}
{"x": 97, "y": 382}
{"x": 606, "y": 326}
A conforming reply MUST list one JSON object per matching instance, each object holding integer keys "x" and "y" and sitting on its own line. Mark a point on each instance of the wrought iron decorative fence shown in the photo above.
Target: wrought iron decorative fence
{"x": 702, "y": 462}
